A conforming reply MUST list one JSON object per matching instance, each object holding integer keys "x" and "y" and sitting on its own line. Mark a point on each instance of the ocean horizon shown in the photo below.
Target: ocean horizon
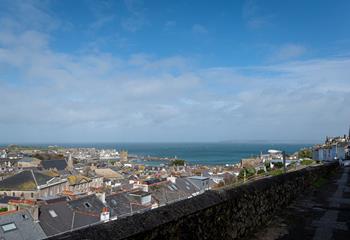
{"x": 215, "y": 153}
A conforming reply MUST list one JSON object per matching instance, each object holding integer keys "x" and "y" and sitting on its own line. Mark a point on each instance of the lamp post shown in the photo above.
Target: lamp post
{"x": 284, "y": 162}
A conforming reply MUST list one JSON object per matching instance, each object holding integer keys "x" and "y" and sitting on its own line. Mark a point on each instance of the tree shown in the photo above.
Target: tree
{"x": 177, "y": 162}
{"x": 305, "y": 153}
{"x": 248, "y": 171}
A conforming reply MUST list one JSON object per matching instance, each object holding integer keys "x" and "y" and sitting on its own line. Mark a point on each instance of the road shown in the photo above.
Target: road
{"x": 320, "y": 214}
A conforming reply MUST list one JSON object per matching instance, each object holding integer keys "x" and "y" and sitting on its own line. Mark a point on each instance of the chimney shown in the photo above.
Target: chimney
{"x": 102, "y": 197}
{"x": 34, "y": 211}
{"x": 172, "y": 179}
{"x": 105, "y": 215}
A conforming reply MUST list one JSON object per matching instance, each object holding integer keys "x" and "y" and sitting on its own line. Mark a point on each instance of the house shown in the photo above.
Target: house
{"x": 28, "y": 162}
{"x": 166, "y": 193}
{"x": 108, "y": 173}
{"x": 31, "y": 184}
{"x": 201, "y": 182}
{"x": 3, "y": 154}
{"x": 63, "y": 216}
{"x": 187, "y": 187}
{"x": 126, "y": 203}
{"x": 80, "y": 183}
{"x": 4, "y": 200}
{"x": 58, "y": 164}
{"x": 19, "y": 225}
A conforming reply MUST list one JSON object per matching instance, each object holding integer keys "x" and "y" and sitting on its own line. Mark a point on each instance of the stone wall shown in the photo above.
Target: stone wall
{"x": 228, "y": 213}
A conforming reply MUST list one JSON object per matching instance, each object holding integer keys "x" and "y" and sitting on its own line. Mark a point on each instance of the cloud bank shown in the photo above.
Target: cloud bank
{"x": 94, "y": 96}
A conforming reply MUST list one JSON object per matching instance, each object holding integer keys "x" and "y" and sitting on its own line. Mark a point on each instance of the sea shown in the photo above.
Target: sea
{"x": 194, "y": 153}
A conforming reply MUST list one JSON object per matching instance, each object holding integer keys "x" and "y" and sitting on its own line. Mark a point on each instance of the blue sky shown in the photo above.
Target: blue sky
{"x": 114, "y": 71}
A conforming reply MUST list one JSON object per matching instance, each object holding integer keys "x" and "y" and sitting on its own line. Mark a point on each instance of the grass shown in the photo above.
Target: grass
{"x": 307, "y": 162}
{"x": 276, "y": 172}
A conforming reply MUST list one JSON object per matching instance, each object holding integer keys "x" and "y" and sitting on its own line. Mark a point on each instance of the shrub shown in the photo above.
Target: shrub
{"x": 276, "y": 172}
{"x": 250, "y": 171}
{"x": 278, "y": 165}
{"x": 307, "y": 162}
{"x": 177, "y": 162}
{"x": 305, "y": 153}
{"x": 3, "y": 209}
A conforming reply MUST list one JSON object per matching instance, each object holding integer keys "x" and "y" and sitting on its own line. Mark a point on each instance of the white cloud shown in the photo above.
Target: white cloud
{"x": 95, "y": 96}
{"x": 199, "y": 29}
{"x": 137, "y": 17}
{"x": 253, "y": 15}
{"x": 287, "y": 52}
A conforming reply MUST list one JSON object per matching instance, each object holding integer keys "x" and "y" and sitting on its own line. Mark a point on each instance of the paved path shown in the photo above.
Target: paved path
{"x": 323, "y": 214}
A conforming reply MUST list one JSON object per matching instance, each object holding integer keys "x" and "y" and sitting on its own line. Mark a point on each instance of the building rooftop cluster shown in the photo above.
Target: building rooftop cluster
{"x": 45, "y": 192}
{"x": 333, "y": 149}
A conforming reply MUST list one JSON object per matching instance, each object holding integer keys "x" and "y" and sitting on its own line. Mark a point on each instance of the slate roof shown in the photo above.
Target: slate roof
{"x": 198, "y": 181}
{"x": 27, "y": 180}
{"x": 77, "y": 179}
{"x": 26, "y": 229}
{"x": 28, "y": 159}
{"x": 121, "y": 204}
{"x": 6, "y": 199}
{"x": 166, "y": 192}
{"x": 186, "y": 186}
{"x": 40, "y": 178}
{"x": 108, "y": 173}
{"x": 57, "y": 164}
{"x": 89, "y": 204}
{"x": 59, "y": 224}
{"x": 68, "y": 215}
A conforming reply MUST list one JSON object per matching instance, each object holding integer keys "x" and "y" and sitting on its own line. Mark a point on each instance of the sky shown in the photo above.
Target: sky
{"x": 173, "y": 71}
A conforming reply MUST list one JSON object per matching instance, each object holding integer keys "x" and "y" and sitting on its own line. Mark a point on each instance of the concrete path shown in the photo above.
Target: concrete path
{"x": 321, "y": 214}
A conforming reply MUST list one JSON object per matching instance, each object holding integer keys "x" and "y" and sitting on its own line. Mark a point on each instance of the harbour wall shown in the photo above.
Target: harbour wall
{"x": 228, "y": 213}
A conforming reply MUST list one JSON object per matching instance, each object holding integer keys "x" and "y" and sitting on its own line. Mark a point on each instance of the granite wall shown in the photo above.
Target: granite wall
{"x": 228, "y": 213}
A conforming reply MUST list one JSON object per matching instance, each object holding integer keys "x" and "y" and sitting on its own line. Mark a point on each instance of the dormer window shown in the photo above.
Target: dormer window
{"x": 87, "y": 205}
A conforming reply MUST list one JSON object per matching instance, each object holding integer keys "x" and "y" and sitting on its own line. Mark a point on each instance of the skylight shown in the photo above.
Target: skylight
{"x": 53, "y": 213}
{"x": 88, "y": 205}
{"x": 8, "y": 227}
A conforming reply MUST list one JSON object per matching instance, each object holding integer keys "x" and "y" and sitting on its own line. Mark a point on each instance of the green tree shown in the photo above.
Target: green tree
{"x": 177, "y": 162}
{"x": 305, "y": 153}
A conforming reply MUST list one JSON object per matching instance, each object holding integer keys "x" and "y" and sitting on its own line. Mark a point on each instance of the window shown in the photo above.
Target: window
{"x": 13, "y": 194}
{"x": 87, "y": 205}
{"x": 53, "y": 213}
{"x": 32, "y": 195}
{"x": 8, "y": 227}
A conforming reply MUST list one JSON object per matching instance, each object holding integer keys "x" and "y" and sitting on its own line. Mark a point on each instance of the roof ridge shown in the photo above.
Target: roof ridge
{"x": 36, "y": 183}
{"x": 7, "y": 212}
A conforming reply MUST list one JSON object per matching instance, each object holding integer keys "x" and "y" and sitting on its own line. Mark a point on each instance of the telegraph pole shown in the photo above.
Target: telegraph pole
{"x": 284, "y": 162}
